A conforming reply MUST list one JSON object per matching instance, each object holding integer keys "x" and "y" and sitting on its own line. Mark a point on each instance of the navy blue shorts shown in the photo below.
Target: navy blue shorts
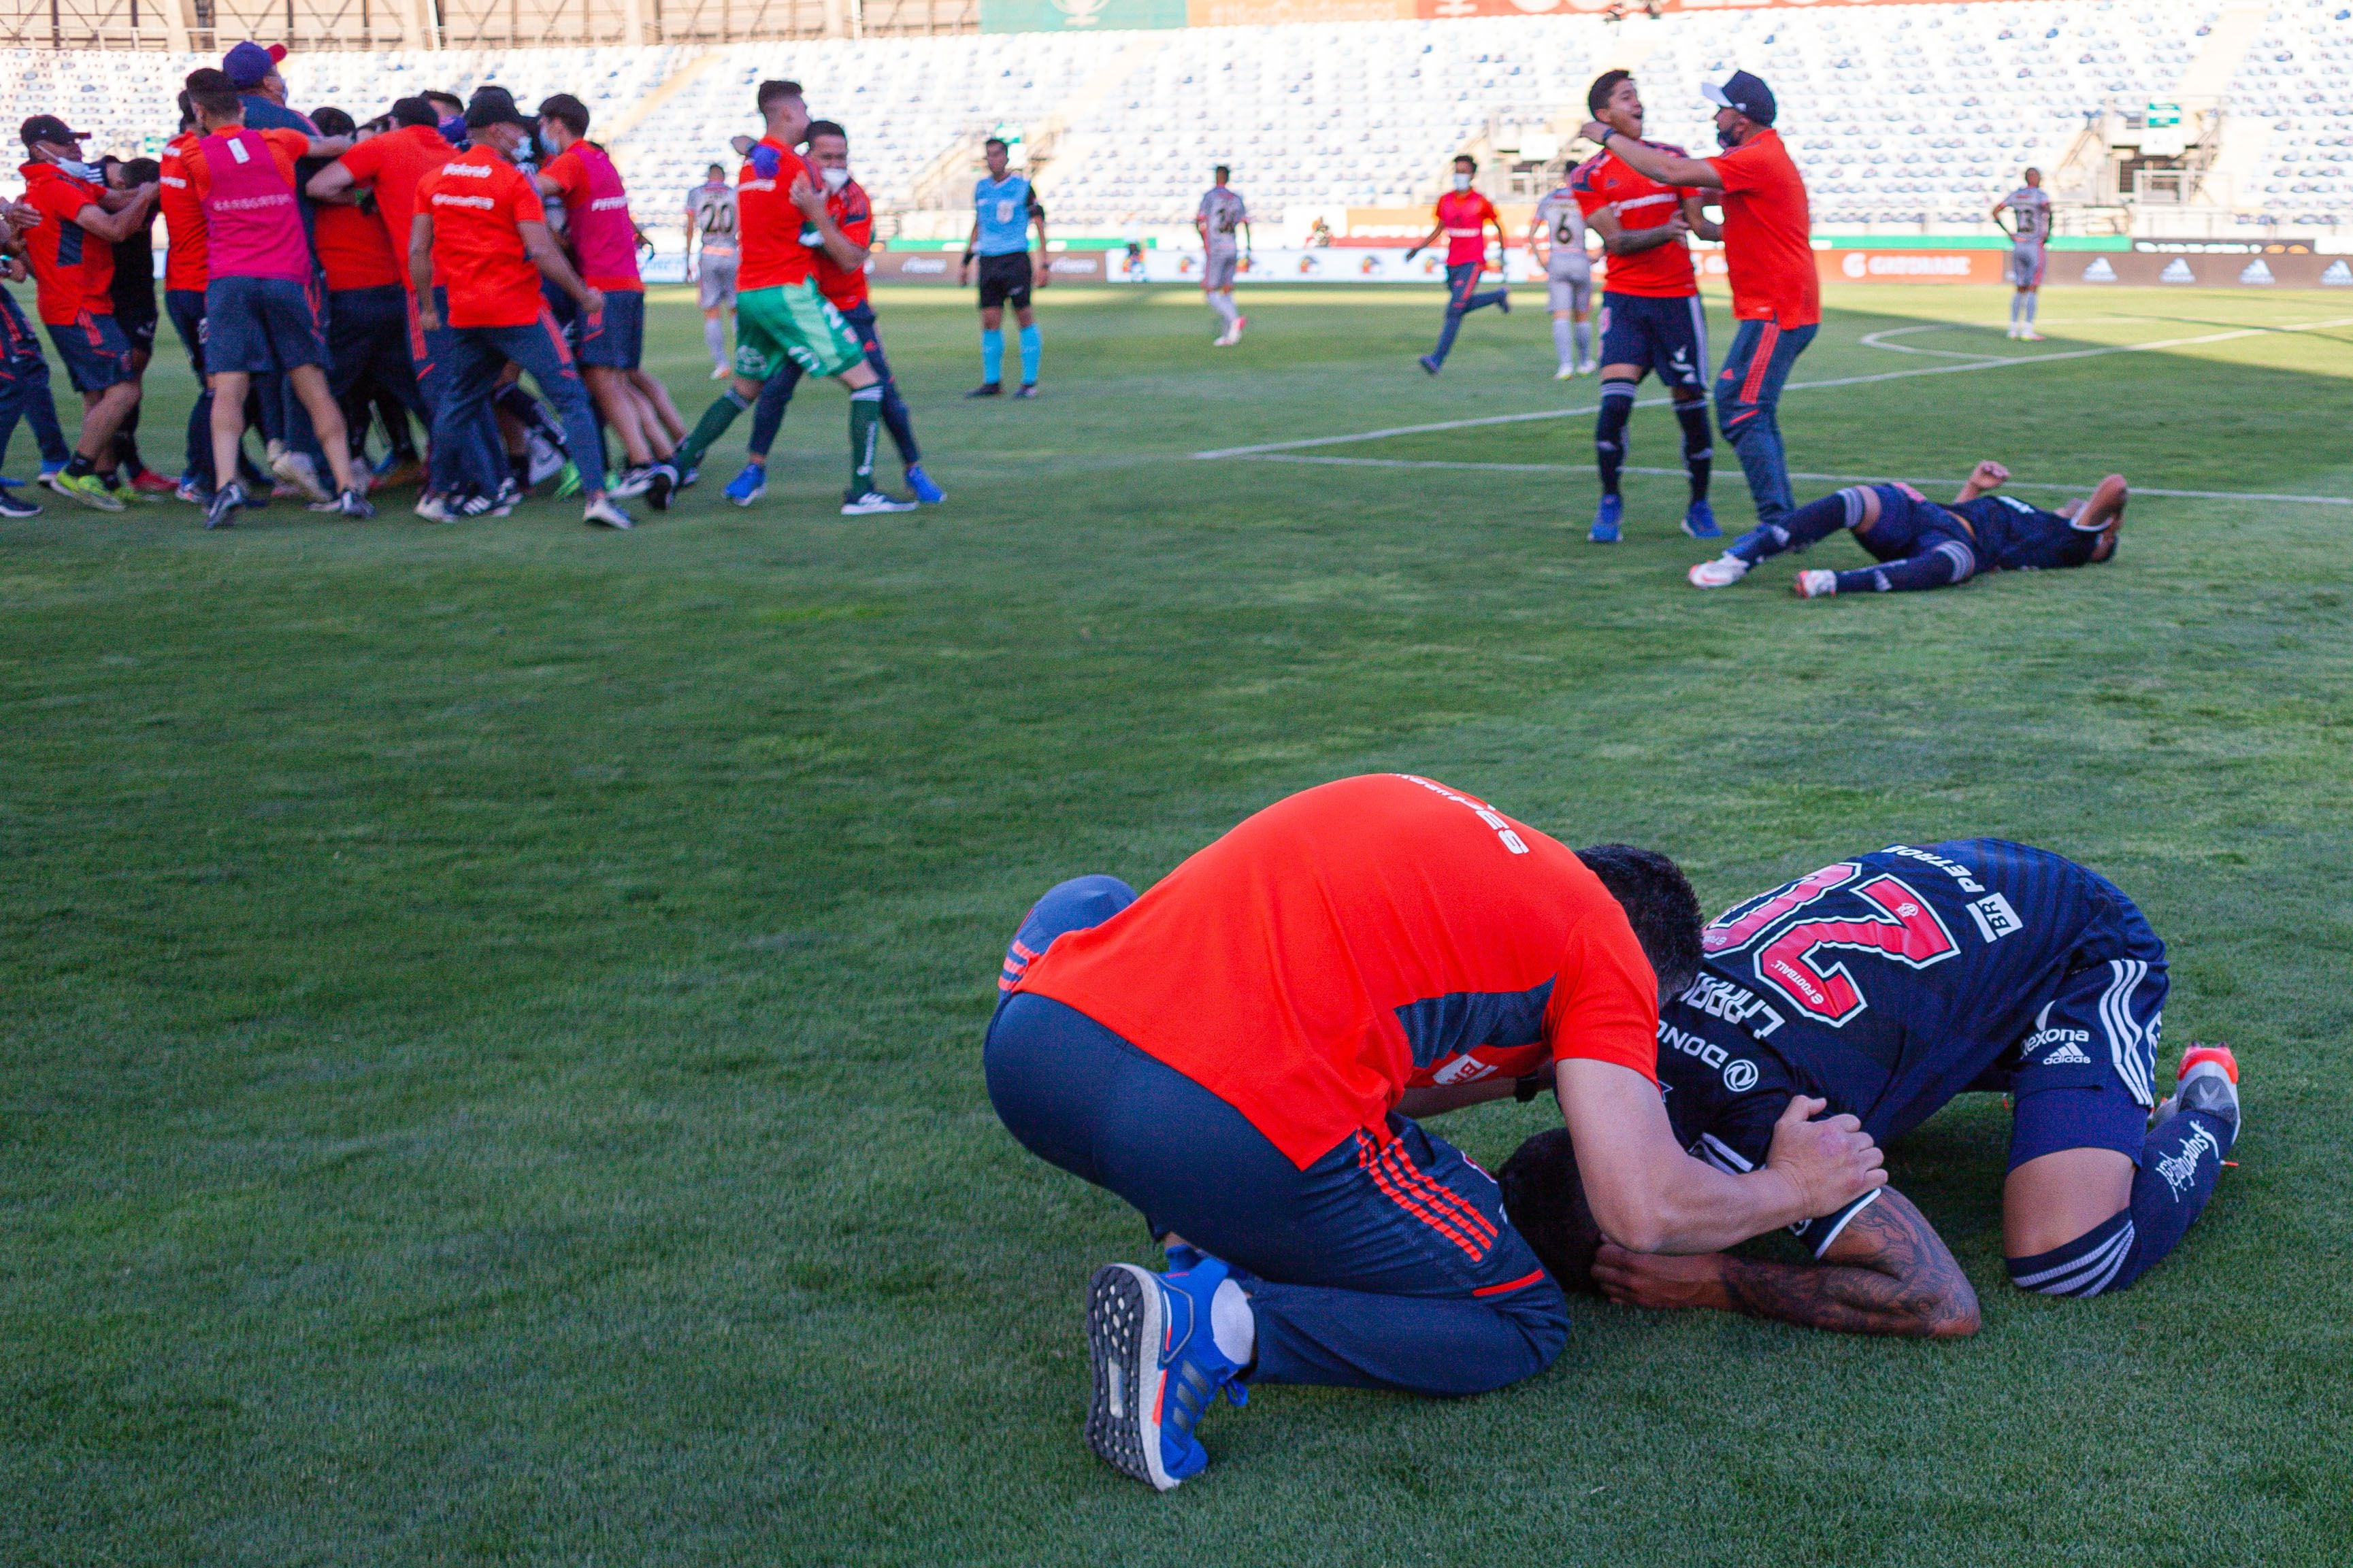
{"x": 263, "y": 325}
{"x": 616, "y": 340}
{"x": 95, "y": 352}
{"x": 1909, "y": 524}
{"x": 1669, "y": 336}
{"x": 1388, "y": 1262}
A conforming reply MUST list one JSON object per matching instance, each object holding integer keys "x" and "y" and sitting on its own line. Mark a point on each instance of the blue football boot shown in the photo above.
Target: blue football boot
{"x": 1606, "y": 520}
{"x": 1699, "y": 521}
{"x": 920, "y": 483}
{"x": 748, "y": 486}
{"x": 1157, "y": 1369}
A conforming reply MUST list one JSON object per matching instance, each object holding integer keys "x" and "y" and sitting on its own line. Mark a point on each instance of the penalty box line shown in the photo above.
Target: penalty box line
{"x": 1826, "y": 479}
{"x": 1302, "y": 444}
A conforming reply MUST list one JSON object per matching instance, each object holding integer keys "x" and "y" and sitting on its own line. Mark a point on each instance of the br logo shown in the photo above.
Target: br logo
{"x": 1081, "y": 13}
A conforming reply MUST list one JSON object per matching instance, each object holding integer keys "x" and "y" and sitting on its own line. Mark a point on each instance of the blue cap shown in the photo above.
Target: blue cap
{"x": 1746, "y": 93}
{"x": 248, "y": 63}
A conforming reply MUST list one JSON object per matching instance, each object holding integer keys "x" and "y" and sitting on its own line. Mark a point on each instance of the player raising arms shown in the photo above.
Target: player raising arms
{"x": 841, "y": 279}
{"x": 1559, "y": 221}
{"x": 2030, "y": 208}
{"x": 1887, "y": 984}
{"x": 1652, "y": 319}
{"x": 1925, "y": 545}
{"x": 711, "y": 216}
{"x": 1222, "y": 211}
{"x": 1004, "y": 206}
{"x": 779, "y": 314}
{"x": 1238, "y": 1052}
{"x": 1464, "y": 217}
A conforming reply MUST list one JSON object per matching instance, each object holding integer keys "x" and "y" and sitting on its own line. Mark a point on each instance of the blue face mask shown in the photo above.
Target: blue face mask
{"x": 90, "y": 171}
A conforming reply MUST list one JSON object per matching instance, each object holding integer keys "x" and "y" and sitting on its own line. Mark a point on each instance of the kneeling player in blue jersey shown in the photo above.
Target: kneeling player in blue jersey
{"x": 1887, "y": 984}
{"x": 1922, "y": 543}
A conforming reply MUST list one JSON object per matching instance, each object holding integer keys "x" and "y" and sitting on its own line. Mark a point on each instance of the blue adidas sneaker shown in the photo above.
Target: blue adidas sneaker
{"x": 748, "y": 486}
{"x": 1699, "y": 521}
{"x": 1157, "y": 1369}
{"x": 1606, "y": 520}
{"x": 920, "y": 483}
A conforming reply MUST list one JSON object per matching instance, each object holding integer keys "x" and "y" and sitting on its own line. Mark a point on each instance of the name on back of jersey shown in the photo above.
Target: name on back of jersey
{"x": 1721, "y": 998}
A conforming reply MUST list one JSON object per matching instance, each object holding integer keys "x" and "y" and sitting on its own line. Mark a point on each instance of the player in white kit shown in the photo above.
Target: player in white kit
{"x": 1222, "y": 213}
{"x": 2029, "y": 210}
{"x": 711, "y": 213}
{"x": 1568, "y": 279}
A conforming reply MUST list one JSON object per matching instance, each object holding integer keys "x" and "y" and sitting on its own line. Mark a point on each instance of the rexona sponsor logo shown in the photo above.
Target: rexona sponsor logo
{"x": 2177, "y": 271}
{"x": 2337, "y": 275}
{"x": 2256, "y": 273}
{"x": 2099, "y": 271}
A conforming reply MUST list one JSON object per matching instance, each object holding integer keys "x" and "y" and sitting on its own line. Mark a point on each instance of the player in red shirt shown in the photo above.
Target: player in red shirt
{"x": 841, "y": 279}
{"x": 71, "y": 251}
{"x": 1775, "y": 293}
{"x": 480, "y": 229}
{"x": 1463, "y": 216}
{"x": 1238, "y": 1052}
{"x": 24, "y": 370}
{"x": 1651, "y": 317}
{"x": 369, "y": 371}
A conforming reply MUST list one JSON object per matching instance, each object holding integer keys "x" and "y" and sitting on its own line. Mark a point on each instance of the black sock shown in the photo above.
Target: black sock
{"x": 80, "y": 468}
{"x": 1698, "y": 451}
{"x": 1610, "y": 432}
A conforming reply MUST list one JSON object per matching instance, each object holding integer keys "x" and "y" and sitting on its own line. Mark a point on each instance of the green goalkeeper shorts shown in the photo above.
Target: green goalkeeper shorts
{"x": 791, "y": 321}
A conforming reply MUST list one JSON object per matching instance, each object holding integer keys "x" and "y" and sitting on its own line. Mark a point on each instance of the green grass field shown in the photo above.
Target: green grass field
{"x": 490, "y": 1061}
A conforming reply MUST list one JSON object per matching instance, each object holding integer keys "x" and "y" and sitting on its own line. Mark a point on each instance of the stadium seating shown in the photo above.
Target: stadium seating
{"x": 1898, "y": 113}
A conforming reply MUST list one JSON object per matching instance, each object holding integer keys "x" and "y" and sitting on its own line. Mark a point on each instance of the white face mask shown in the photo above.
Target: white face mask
{"x": 79, "y": 171}
{"x": 1461, "y": 181}
{"x": 835, "y": 178}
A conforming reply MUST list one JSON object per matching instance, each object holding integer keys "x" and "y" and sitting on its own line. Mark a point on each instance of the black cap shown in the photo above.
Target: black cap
{"x": 1746, "y": 93}
{"x": 48, "y": 127}
{"x": 494, "y": 106}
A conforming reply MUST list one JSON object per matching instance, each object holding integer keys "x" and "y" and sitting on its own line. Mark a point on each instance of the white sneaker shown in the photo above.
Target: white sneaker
{"x": 1815, "y": 584}
{"x": 1588, "y": 366}
{"x": 633, "y": 483}
{"x": 2012, "y": 333}
{"x": 297, "y": 469}
{"x": 435, "y": 509}
{"x": 1564, "y": 373}
{"x": 1720, "y": 573}
{"x": 2029, "y": 335}
{"x": 719, "y": 373}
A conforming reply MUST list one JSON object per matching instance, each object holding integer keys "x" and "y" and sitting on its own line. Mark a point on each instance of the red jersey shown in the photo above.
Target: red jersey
{"x": 476, "y": 201}
{"x": 392, "y": 164}
{"x": 1356, "y": 939}
{"x": 1662, "y": 272}
{"x": 354, "y": 250}
{"x": 853, "y": 213}
{"x": 72, "y": 271}
{"x": 1767, "y": 235}
{"x": 253, "y": 222}
{"x": 776, "y": 252}
{"x": 183, "y": 218}
{"x": 596, "y": 217}
{"x": 1464, "y": 215}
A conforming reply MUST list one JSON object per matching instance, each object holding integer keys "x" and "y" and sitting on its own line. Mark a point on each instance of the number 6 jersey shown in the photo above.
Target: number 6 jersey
{"x": 1889, "y": 982}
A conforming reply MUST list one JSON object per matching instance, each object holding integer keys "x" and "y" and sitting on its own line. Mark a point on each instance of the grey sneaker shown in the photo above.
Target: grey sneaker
{"x": 2208, "y": 1082}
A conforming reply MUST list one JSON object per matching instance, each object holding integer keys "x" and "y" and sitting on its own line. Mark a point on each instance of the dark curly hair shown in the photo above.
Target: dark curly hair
{"x": 1659, "y": 904}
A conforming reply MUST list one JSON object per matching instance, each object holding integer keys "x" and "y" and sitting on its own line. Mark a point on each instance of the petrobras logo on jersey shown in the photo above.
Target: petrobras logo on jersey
{"x": 1995, "y": 918}
{"x": 1720, "y": 998}
{"x": 1511, "y": 840}
{"x": 444, "y": 199}
{"x": 1959, "y": 873}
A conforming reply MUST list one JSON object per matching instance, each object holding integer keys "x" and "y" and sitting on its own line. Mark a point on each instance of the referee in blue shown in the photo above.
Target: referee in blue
{"x": 1003, "y": 207}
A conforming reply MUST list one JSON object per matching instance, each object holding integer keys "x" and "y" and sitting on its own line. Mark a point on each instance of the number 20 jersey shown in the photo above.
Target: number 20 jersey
{"x": 1887, "y": 984}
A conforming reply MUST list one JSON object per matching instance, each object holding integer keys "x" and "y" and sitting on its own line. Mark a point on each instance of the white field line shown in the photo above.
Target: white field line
{"x": 1792, "y": 386}
{"x": 1828, "y": 479}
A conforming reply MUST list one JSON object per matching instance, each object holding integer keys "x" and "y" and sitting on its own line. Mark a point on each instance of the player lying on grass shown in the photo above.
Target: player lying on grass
{"x": 1237, "y": 1053}
{"x": 1922, "y": 543}
{"x": 1886, "y": 984}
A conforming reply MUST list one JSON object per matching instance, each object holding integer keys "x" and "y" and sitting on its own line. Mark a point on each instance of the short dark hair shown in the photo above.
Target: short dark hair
{"x": 817, "y": 127}
{"x": 996, "y": 142}
{"x": 141, "y": 172}
{"x": 333, "y": 121}
{"x": 431, "y": 95}
{"x": 211, "y": 91}
{"x": 1597, "y": 97}
{"x": 565, "y": 111}
{"x": 187, "y": 111}
{"x": 417, "y": 110}
{"x": 715, "y": 169}
{"x": 1223, "y": 171}
{"x": 1462, "y": 158}
{"x": 772, "y": 91}
{"x": 1659, "y": 904}
{"x": 1544, "y": 1197}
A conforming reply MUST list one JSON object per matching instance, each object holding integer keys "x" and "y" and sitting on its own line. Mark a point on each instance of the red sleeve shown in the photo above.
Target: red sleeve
{"x": 857, "y": 224}
{"x": 1739, "y": 168}
{"x": 288, "y": 147}
{"x": 1605, "y": 1000}
{"x": 1487, "y": 213}
{"x": 365, "y": 161}
{"x": 61, "y": 201}
{"x": 571, "y": 177}
{"x": 528, "y": 208}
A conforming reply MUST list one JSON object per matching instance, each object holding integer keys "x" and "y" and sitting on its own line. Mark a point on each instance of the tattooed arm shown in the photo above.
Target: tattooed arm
{"x": 1887, "y": 1273}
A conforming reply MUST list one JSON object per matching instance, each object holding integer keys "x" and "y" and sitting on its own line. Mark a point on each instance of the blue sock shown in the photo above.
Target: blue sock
{"x": 992, "y": 355}
{"x": 2178, "y": 1165}
{"x": 1031, "y": 347}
